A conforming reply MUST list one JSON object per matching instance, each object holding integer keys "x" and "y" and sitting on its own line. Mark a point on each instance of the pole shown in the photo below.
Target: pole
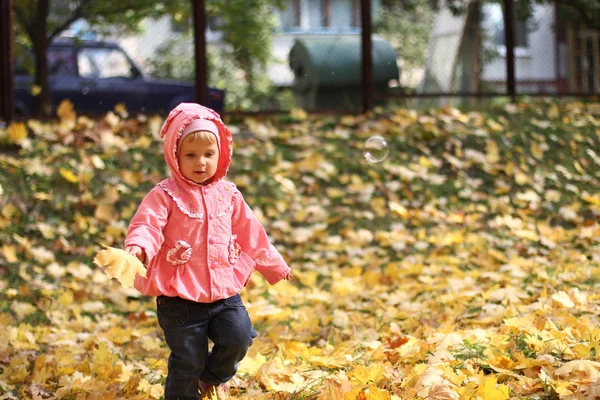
{"x": 509, "y": 38}
{"x": 367, "y": 55}
{"x": 199, "y": 10}
{"x": 7, "y": 89}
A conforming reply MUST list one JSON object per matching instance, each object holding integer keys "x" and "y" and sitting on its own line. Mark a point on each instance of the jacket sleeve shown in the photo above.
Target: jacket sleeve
{"x": 146, "y": 226}
{"x": 253, "y": 240}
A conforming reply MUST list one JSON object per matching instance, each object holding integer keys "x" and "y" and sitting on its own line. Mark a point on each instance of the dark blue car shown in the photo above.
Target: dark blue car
{"x": 95, "y": 76}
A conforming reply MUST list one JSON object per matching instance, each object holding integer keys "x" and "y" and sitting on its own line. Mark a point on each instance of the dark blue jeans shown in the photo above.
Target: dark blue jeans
{"x": 188, "y": 326}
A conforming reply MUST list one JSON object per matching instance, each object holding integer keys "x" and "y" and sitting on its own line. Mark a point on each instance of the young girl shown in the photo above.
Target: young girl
{"x": 200, "y": 242}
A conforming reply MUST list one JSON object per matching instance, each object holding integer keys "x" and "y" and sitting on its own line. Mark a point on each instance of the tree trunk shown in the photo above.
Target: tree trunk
{"x": 38, "y": 32}
{"x": 477, "y": 50}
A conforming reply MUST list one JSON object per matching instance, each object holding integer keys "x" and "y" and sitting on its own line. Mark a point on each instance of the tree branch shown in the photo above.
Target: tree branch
{"x": 582, "y": 11}
{"x": 72, "y": 18}
{"x": 78, "y": 13}
{"x": 23, "y": 20}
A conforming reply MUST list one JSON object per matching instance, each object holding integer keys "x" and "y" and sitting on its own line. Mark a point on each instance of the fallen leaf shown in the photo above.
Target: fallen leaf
{"x": 120, "y": 265}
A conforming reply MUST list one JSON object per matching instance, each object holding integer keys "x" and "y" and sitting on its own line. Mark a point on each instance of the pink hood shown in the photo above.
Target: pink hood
{"x": 175, "y": 124}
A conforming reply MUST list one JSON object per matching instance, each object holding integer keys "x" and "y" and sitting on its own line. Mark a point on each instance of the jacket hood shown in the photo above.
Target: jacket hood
{"x": 172, "y": 129}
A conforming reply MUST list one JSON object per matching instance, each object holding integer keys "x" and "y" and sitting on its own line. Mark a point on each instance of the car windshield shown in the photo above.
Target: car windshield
{"x": 103, "y": 63}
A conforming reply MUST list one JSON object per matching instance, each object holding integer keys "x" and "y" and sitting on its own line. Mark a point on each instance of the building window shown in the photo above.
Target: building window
{"x": 493, "y": 23}
{"x": 291, "y": 16}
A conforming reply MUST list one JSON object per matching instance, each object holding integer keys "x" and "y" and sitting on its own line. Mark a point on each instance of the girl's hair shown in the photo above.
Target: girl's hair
{"x": 201, "y": 135}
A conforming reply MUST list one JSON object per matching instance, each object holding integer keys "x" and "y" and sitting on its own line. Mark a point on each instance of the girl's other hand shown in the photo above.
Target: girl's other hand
{"x": 289, "y": 277}
{"x": 136, "y": 251}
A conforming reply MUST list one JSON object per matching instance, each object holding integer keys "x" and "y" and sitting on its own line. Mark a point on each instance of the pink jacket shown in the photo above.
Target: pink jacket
{"x": 202, "y": 242}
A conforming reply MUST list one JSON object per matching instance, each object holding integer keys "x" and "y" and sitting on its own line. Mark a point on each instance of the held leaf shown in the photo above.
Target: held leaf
{"x": 120, "y": 265}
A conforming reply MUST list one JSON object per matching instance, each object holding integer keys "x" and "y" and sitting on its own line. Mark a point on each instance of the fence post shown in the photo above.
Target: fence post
{"x": 509, "y": 39}
{"x": 199, "y": 10}
{"x": 7, "y": 89}
{"x": 367, "y": 55}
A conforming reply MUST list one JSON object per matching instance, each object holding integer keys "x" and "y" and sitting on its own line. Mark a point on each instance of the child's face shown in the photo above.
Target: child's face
{"x": 198, "y": 159}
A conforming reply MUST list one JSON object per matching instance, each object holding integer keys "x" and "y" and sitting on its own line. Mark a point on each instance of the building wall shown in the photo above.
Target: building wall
{"x": 143, "y": 46}
{"x": 536, "y": 62}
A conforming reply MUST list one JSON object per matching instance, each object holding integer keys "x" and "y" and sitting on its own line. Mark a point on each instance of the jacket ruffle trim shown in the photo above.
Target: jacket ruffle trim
{"x": 180, "y": 203}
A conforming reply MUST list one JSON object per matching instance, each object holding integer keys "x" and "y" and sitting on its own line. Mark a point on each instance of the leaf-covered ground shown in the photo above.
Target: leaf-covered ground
{"x": 466, "y": 265}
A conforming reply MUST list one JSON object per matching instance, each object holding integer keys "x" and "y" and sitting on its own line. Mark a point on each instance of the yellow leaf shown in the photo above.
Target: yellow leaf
{"x": 252, "y": 364}
{"x": 131, "y": 386}
{"x": 9, "y": 210}
{"x": 553, "y": 112}
{"x": 155, "y": 391}
{"x": 298, "y": 113}
{"x": 374, "y": 393}
{"x": 22, "y": 309}
{"x": 10, "y": 253}
{"x": 36, "y": 90}
{"x": 275, "y": 376}
{"x": 521, "y": 178}
{"x": 399, "y": 209}
{"x": 121, "y": 110}
{"x": 334, "y": 389}
{"x": 364, "y": 374}
{"x": 490, "y": 390}
{"x": 16, "y": 132}
{"x": 563, "y": 299}
{"x": 104, "y": 212}
{"x": 595, "y": 199}
{"x": 48, "y": 231}
{"x": 69, "y": 175}
{"x": 425, "y": 162}
{"x": 492, "y": 155}
{"x": 132, "y": 179}
{"x": 143, "y": 142}
{"x": 575, "y": 370}
{"x": 97, "y": 162}
{"x": 537, "y": 151}
{"x": 65, "y": 111}
{"x": 494, "y": 126}
{"x": 120, "y": 265}
{"x": 104, "y": 363}
{"x": 43, "y": 196}
{"x": 467, "y": 392}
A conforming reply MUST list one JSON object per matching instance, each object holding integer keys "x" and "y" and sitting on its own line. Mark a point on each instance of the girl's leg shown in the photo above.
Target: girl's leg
{"x": 185, "y": 325}
{"x": 231, "y": 331}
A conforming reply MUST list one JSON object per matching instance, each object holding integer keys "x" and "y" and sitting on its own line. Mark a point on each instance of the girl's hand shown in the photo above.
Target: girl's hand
{"x": 136, "y": 251}
{"x": 289, "y": 276}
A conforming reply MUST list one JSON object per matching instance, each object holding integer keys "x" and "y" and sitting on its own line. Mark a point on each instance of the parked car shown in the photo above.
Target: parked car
{"x": 95, "y": 76}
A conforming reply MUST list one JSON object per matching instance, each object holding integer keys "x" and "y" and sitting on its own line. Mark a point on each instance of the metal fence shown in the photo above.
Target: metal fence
{"x": 317, "y": 58}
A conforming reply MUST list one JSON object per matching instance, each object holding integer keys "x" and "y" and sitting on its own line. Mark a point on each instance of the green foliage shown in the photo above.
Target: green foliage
{"x": 246, "y": 27}
{"x": 408, "y": 29}
{"x": 586, "y": 12}
{"x": 172, "y": 61}
{"x": 60, "y": 14}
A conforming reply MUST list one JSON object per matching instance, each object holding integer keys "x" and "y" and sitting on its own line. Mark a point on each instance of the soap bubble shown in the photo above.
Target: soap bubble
{"x": 376, "y": 149}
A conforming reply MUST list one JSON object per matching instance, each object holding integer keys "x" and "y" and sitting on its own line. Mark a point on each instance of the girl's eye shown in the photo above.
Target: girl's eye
{"x": 189, "y": 155}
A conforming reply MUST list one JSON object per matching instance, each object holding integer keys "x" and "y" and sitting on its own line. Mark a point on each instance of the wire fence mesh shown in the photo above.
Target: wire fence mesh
{"x": 308, "y": 54}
